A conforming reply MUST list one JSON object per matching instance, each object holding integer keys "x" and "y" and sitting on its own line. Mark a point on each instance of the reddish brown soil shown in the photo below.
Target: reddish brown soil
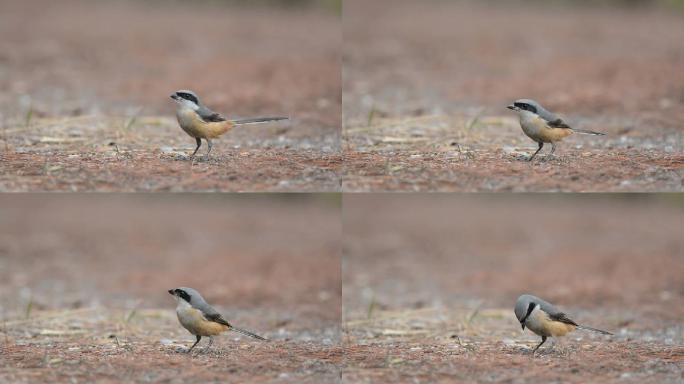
{"x": 434, "y": 78}
{"x": 429, "y": 285}
{"x": 92, "y": 273}
{"x": 250, "y": 170}
{"x": 79, "y": 75}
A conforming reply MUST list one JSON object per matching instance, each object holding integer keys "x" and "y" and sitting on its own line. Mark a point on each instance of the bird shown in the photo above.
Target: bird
{"x": 200, "y": 318}
{"x": 200, "y": 122}
{"x": 545, "y": 320}
{"x": 543, "y": 126}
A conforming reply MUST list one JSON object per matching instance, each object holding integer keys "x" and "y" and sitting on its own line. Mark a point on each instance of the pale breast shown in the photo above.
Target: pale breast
{"x": 540, "y": 323}
{"x": 193, "y": 320}
{"x": 190, "y": 318}
{"x": 536, "y": 322}
{"x": 538, "y": 130}
{"x": 190, "y": 122}
{"x": 194, "y": 126}
{"x": 531, "y": 124}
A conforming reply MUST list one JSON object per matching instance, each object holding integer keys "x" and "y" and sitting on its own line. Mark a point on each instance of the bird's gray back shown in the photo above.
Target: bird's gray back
{"x": 208, "y": 115}
{"x": 524, "y": 301}
{"x": 541, "y": 111}
{"x": 198, "y": 302}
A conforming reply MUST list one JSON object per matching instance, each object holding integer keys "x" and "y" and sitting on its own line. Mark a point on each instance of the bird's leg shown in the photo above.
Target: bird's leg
{"x": 198, "y": 340}
{"x": 561, "y": 346}
{"x": 211, "y": 341}
{"x": 554, "y": 341}
{"x": 540, "y": 344}
{"x": 540, "y": 148}
{"x": 199, "y": 144}
{"x": 209, "y": 150}
{"x": 553, "y": 148}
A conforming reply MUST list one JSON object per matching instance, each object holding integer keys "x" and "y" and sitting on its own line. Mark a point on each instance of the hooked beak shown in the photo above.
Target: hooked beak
{"x": 173, "y": 96}
{"x": 512, "y": 107}
{"x": 171, "y": 292}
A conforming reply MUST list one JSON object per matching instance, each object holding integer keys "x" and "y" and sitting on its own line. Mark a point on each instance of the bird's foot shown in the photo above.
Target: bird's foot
{"x": 199, "y": 159}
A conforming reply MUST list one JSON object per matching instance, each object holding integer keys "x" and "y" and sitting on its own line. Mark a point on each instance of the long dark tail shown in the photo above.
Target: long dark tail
{"x": 248, "y": 333}
{"x": 258, "y": 120}
{"x": 593, "y": 329}
{"x": 586, "y": 132}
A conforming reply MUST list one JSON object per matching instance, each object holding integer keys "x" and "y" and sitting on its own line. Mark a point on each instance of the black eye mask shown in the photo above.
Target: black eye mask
{"x": 526, "y": 107}
{"x": 183, "y": 295}
{"x": 530, "y": 308}
{"x": 187, "y": 96}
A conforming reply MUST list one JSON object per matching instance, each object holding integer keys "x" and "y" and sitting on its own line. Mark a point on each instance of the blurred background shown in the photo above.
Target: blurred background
{"x": 124, "y": 58}
{"x": 430, "y": 282}
{"x": 586, "y": 251}
{"x": 426, "y": 85}
{"x": 86, "y": 88}
{"x": 273, "y": 253}
{"x": 85, "y": 278}
{"x": 586, "y": 58}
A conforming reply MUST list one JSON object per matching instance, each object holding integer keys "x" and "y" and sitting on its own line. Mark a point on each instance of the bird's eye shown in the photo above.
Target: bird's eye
{"x": 183, "y": 295}
{"x": 527, "y": 107}
{"x": 188, "y": 96}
